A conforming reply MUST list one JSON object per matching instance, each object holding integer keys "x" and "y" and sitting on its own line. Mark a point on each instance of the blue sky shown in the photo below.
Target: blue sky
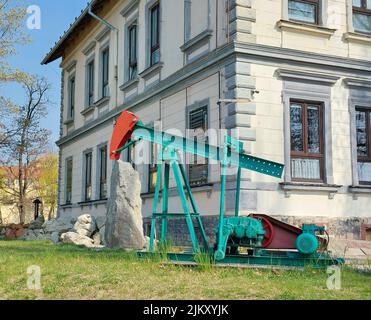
{"x": 56, "y": 17}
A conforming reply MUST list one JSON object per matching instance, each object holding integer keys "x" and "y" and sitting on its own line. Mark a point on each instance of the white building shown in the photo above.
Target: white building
{"x": 298, "y": 74}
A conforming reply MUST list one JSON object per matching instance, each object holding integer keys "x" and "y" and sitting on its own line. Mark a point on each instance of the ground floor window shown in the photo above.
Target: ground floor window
{"x": 69, "y": 169}
{"x": 153, "y": 168}
{"x": 363, "y": 127}
{"x": 103, "y": 172}
{"x": 88, "y": 176}
{"x": 307, "y": 146}
{"x": 198, "y": 125}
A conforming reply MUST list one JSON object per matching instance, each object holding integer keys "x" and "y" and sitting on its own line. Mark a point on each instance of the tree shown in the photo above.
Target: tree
{"x": 27, "y": 144}
{"x": 12, "y": 18}
{"x": 48, "y": 182}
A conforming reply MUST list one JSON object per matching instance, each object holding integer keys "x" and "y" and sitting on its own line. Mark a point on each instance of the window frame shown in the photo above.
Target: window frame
{"x": 365, "y": 159}
{"x": 132, "y": 63}
{"x": 71, "y": 97}
{"x": 69, "y": 185}
{"x": 305, "y": 154}
{"x": 192, "y": 109}
{"x": 88, "y": 175}
{"x": 154, "y": 47}
{"x": 317, "y": 18}
{"x": 104, "y": 81}
{"x": 90, "y": 85}
{"x": 103, "y": 168}
{"x": 363, "y": 10}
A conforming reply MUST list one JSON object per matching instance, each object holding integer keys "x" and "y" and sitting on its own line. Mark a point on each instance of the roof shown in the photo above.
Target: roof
{"x": 57, "y": 50}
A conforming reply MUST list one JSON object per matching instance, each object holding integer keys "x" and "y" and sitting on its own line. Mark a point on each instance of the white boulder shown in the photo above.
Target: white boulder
{"x": 85, "y": 225}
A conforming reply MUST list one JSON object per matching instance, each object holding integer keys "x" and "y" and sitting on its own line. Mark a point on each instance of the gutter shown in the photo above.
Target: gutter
{"x": 116, "y": 30}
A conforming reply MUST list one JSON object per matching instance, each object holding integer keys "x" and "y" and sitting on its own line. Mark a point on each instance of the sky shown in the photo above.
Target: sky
{"x": 56, "y": 17}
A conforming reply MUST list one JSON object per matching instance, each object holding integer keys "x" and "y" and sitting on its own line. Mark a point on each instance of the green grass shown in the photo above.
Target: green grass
{"x": 70, "y": 272}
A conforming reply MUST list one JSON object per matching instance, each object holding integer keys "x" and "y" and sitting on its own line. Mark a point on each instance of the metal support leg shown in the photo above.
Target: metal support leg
{"x": 194, "y": 206}
{"x": 165, "y": 203}
{"x": 238, "y": 192}
{"x": 155, "y": 205}
{"x": 183, "y": 198}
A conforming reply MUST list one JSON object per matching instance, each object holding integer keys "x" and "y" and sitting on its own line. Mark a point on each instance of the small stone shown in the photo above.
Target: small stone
{"x": 55, "y": 237}
{"x": 77, "y": 239}
{"x": 97, "y": 239}
{"x": 85, "y": 225}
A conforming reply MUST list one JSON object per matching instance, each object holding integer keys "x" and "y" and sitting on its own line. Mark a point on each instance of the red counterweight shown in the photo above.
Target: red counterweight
{"x": 122, "y": 133}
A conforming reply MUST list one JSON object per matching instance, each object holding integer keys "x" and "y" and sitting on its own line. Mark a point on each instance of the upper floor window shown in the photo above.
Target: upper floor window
{"x": 304, "y": 11}
{"x": 71, "y": 97}
{"x": 363, "y": 127}
{"x": 133, "y": 54}
{"x": 105, "y": 73}
{"x": 69, "y": 168}
{"x": 155, "y": 34}
{"x": 362, "y": 16}
{"x": 90, "y": 83}
{"x": 198, "y": 125}
{"x": 103, "y": 173}
{"x": 307, "y": 146}
{"x": 88, "y": 176}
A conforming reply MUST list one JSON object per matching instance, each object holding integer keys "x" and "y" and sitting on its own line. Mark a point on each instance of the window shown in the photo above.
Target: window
{"x": 304, "y": 11}
{"x": 362, "y": 16}
{"x": 103, "y": 173}
{"x": 307, "y": 149}
{"x": 71, "y": 98}
{"x": 155, "y": 34}
{"x": 69, "y": 168}
{"x": 88, "y": 176}
{"x": 105, "y": 73}
{"x": 363, "y": 127}
{"x": 198, "y": 125}
{"x": 90, "y": 83}
{"x": 153, "y": 168}
{"x": 133, "y": 55}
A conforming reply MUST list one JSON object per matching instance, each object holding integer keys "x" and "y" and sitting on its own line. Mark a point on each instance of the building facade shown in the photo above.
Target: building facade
{"x": 293, "y": 78}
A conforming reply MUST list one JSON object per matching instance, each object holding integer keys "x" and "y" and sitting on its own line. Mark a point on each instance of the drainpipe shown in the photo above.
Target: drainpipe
{"x": 113, "y": 28}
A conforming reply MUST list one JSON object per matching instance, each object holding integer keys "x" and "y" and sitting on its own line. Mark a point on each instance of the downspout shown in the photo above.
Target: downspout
{"x": 113, "y": 28}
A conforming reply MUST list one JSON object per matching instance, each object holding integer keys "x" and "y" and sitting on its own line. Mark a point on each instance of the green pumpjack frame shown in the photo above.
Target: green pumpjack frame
{"x": 232, "y": 154}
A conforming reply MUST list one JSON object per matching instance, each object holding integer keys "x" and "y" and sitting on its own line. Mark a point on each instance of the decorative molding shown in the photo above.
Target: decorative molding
{"x": 129, "y": 84}
{"x": 69, "y": 122}
{"x": 294, "y": 75}
{"x": 71, "y": 66}
{"x": 305, "y": 28}
{"x": 102, "y": 35}
{"x": 129, "y": 8}
{"x": 358, "y": 83}
{"x": 357, "y": 37}
{"x": 145, "y": 74}
{"x": 331, "y": 189}
{"x": 197, "y": 40}
{"x": 88, "y": 110}
{"x": 89, "y": 48}
{"x": 102, "y": 102}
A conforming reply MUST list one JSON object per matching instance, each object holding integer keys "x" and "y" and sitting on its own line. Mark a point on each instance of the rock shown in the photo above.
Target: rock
{"x": 30, "y": 236}
{"x": 97, "y": 240}
{"x": 77, "y": 239}
{"x": 124, "y": 225}
{"x": 102, "y": 233}
{"x": 85, "y": 225}
{"x": 55, "y": 237}
{"x": 38, "y": 223}
{"x": 61, "y": 225}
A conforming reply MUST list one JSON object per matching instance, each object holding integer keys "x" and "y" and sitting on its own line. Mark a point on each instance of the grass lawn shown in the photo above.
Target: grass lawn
{"x": 70, "y": 272}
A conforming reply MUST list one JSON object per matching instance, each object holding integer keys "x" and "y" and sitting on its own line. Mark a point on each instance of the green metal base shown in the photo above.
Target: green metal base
{"x": 265, "y": 258}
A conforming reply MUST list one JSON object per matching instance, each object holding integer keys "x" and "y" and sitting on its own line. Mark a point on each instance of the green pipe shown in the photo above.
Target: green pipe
{"x": 165, "y": 202}
{"x": 155, "y": 205}
{"x": 238, "y": 192}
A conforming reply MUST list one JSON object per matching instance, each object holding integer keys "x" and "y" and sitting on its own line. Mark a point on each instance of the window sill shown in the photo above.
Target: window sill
{"x": 102, "y": 102}
{"x": 151, "y": 70}
{"x": 361, "y": 189}
{"x": 129, "y": 84}
{"x": 357, "y": 37}
{"x": 68, "y": 122}
{"x": 202, "y": 37}
{"x": 92, "y": 202}
{"x": 174, "y": 191}
{"x": 88, "y": 110}
{"x": 305, "y": 28}
{"x": 331, "y": 189}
